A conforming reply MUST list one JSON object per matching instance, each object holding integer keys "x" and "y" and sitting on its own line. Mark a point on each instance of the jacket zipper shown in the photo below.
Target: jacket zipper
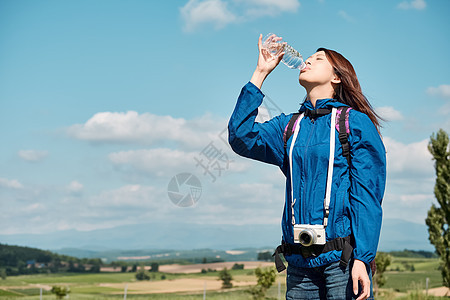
{"x": 302, "y": 202}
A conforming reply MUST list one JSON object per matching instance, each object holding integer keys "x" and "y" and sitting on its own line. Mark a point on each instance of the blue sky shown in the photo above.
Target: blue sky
{"x": 103, "y": 102}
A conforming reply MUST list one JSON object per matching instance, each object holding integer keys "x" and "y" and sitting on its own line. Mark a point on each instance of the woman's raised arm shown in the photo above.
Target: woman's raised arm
{"x": 266, "y": 63}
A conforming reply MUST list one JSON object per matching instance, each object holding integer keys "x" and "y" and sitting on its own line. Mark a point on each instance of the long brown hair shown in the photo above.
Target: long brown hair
{"x": 348, "y": 91}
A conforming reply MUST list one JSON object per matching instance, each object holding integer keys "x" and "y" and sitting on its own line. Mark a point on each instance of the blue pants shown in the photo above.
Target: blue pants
{"x": 325, "y": 282}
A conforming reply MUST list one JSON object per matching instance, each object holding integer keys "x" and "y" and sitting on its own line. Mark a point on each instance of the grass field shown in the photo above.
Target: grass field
{"x": 400, "y": 278}
{"x": 405, "y": 280}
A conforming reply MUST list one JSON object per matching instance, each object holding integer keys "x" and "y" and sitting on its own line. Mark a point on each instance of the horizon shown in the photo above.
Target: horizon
{"x": 395, "y": 236}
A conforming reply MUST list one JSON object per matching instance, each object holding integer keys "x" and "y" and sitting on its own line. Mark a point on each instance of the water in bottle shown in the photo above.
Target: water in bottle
{"x": 275, "y": 45}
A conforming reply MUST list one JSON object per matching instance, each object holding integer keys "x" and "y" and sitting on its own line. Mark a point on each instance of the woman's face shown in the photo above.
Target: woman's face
{"x": 318, "y": 71}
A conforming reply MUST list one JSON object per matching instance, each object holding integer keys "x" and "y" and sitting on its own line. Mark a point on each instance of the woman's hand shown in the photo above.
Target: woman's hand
{"x": 266, "y": 63}
{"x": 359, "y": 274}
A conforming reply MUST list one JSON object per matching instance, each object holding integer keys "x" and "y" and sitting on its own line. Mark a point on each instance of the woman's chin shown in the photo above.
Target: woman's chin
{"x": 304, "y": 83}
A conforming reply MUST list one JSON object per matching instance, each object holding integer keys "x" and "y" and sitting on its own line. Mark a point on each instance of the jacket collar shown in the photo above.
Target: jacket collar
{"x": 320, "y": 103}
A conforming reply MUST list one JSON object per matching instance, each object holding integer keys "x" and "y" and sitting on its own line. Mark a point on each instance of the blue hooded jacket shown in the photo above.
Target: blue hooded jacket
{"x": 357, "y": 191}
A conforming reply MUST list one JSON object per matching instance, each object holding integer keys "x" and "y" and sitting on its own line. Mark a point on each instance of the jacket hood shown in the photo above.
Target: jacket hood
{"x": 320, "y": 103}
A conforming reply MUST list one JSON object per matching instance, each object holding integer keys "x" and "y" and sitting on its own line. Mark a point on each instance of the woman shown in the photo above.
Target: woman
{"x": 357, "y": 185}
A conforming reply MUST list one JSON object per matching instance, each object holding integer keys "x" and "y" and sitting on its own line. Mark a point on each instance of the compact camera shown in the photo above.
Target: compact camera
{"x": 308, "y": 235}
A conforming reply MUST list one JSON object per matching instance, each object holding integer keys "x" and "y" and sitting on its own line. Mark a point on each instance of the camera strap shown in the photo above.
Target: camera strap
{"x": 326, "y": 202}
{"x": 294, "y": 137}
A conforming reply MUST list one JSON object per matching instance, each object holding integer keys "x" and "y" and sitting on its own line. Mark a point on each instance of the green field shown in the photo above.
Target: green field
{"x": 399, "y": 278}
{"x": 405, "y": 280}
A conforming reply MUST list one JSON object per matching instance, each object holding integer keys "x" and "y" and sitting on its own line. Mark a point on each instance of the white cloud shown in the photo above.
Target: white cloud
{"x": 8, "y": 183}
{"x": 410, "y": 180}
{"x": 148, "y": 129}
{"x": 220, "y": 203}
{"x": 442, "y": 91}
{"x": 445, "y": 110}
{"x": 261, "y": 8}
{"x": 218, "y": 13}
{"x": 414, "y": 199}
{"x": 239, "y": 204}
{"x": 158, "y": 162}
{"x": 281, "y": 5}
{"x": 33, "y": 208}
{"x": 162, "y": 162}
{"x": 408, "y": 160}
{"x": 133, "y": 195}
{"x": 389, "y": 113}
{"x": 409, "y": 207}
{"x": 32, "y": 155}
{"x": 415, "y": 4}
{"x": 214, "y": 12}
{"x": 346, "y": 16}
{"x": 75, "y": 188}
{"x": 263, "y": 114}
{"x": 52, "y": 211}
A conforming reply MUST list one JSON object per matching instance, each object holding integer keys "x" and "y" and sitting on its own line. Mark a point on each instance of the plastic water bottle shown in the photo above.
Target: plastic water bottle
{"x": 275, "y": 45}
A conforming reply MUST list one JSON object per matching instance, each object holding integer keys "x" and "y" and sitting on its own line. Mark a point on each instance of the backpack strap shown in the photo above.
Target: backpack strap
{"x": 318, "y": 112}
{"x": 340, "y": 244}
{"x": 290, "y": 127}
{"x": 342, "y": 125}
{"x": 289, "y": 130}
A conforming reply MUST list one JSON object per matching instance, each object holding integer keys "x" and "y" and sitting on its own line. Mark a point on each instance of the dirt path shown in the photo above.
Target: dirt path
{"x": 174, "y": 286}
{"x": 24, "y": 287}
{"x": 197, "y": 268}
{"x": 440, "y": 291}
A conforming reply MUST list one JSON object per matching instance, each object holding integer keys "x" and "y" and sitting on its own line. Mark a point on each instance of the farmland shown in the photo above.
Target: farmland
{"x": 161, "y": 285}
{"x": 405, "y": 276}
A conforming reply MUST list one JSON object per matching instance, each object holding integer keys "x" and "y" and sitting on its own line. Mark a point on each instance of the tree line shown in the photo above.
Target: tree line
{"x": 18, "y": 260}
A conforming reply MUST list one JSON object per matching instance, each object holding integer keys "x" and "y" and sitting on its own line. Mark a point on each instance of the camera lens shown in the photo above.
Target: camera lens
{"x": 306, "y": 237}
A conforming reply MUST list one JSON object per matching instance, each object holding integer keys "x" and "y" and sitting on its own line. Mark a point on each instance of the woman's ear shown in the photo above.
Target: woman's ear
{"x": 336, "y": 79}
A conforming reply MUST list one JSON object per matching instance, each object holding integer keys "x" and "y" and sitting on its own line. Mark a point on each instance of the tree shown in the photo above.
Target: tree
{"x": 60, "y": 291}
{"x": 134, "y": 268}
{"x": 265, "y": 256}
{"x": 265, "y": 280}
{"x": 226, "y": 278}
{"x": 154, "y": 267}
{"x": 382, "y": 261}
{"x": 3, "y": 274}
{"x": 142, "y": 275}
{"x": 439, "y": 216}
{"x": 95, "y": 268}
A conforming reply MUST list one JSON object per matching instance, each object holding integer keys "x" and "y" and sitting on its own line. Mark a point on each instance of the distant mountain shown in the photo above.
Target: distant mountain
{"x": 10, "y": 256}
{"x": 155, "y": 236}
{"x": 399, "y": 235}
{"x": 396, "y": 235}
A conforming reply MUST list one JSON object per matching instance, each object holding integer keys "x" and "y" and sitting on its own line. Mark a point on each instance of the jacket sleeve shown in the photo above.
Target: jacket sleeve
{"x": 368, "y": 179}
{"x": 260, "y": 141}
